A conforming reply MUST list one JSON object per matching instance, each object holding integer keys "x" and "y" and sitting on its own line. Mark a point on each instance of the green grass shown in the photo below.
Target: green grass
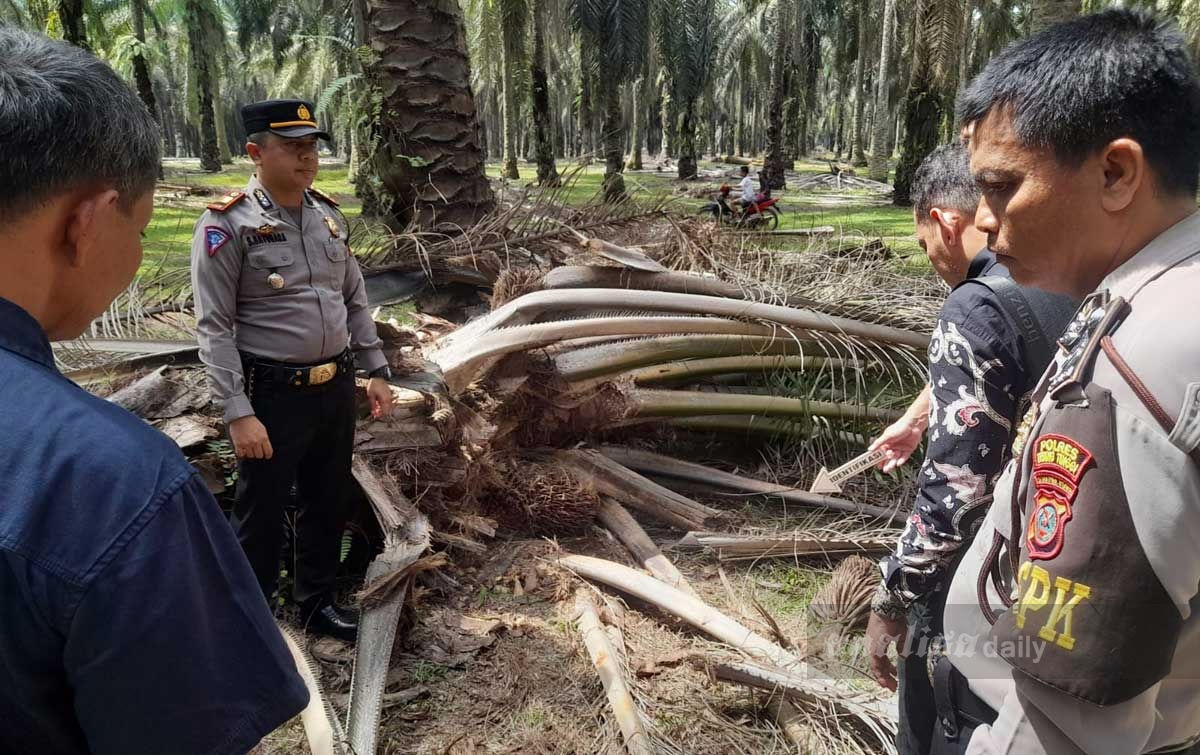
{"x": 798, "y": 586}
{"x": 168, "y": 237}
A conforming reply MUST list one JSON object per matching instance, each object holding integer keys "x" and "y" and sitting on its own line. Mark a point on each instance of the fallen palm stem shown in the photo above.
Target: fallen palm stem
{"x": 321, "y": 725}
{"x": 406, "y": 534}
{"x": 464, "y": 363}
{"x": 873, "y": 715}
{"x": 632, "y": 489}
{"x": 605, "y": 360}
{"x": 678, "y": 603}
{"x": 652, "y": 403}
{"x": 749, "y": 423}
{"x": 590, "y": 276}
{"x": 607, "y": 663}
{"x": 732, "y": 547}
{"x": 665, "y": 466}
{"x": 539, "y": 303}
{"x": 626, "y": 529}
{"x": 754, "y": 363}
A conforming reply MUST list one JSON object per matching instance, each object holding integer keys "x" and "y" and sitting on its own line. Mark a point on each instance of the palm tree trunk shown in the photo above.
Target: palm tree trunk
{"x": 739, "y": 129}
{"x": 141, "y": 71}
{"x": 654, "y": 115}
{"x": 840, "y": 75}
{"x": 670, "y": 122}
{"x": 964, "y": 50}
{"x": 639, "y": 121}
{"x": 430, "y": 161}
{"x": 776, "y": 157}
{"x": 924, "y": 105}
{"x": 614, "y": 144}
{"x": 856, "y": 154}
{"x": 878, "y": 170}
{"x": 687, "y": 142}
{"x": 210, "y": 156}
{"x": 70, "y": 15}
{"x": 1049, "y": 12}
{"x": 812, "y": 66}
{"x": 587, "y": 139}
{"x": 543, "y": 144}
{"x": 219, "y": 120}
{"x": 508, "y": 64}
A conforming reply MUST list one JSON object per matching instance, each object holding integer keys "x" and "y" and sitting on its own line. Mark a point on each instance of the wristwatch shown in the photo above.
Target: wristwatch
{"x": 384, "y": 372}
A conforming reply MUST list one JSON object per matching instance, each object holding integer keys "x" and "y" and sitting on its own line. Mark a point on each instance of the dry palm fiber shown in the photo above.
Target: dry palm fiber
{"x": 513, "y": 283}
{"x": 845, "y": 601}
{"x": 543, "y": 499}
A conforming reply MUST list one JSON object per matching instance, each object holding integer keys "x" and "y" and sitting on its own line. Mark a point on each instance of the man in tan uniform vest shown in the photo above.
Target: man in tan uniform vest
{"x": 282, "y": 318}
{"x": 1071, "y": 623}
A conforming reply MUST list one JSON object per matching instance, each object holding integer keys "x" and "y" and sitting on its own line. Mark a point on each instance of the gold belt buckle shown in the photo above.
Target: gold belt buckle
{"x": 322, "y": 373}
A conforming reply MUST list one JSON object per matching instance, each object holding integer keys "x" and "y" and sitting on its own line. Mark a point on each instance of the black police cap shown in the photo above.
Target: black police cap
{"x": 289, "y": 118}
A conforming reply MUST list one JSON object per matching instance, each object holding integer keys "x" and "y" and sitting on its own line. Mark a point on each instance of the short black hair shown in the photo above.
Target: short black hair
{"x": 746, "y": 169}
{"x": 67, "y": 120}
{"x": 943, "y": 179}
{"x": 1077, "y": 86}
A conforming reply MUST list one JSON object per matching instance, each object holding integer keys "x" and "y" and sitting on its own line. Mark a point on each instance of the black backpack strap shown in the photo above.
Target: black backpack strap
{"x": 1039, "y": 317}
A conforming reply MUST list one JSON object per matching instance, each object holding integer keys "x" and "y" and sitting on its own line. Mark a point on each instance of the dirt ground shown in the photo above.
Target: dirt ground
{"x": 491, "y": 660}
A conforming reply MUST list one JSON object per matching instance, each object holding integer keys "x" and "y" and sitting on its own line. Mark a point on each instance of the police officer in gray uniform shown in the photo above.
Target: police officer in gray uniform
{"x": 1071, "y": 625}
{"x": 283, "y": 319}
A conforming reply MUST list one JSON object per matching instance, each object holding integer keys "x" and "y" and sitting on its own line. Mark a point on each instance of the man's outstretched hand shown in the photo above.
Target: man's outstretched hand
{"x": 902, "y": 437}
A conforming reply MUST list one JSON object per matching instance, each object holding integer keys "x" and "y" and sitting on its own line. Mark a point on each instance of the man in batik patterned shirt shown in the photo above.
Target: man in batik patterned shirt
{"x": 981, "y": 369}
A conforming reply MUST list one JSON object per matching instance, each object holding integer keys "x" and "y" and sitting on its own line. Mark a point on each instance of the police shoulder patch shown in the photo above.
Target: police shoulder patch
{"x": 322, "y": 195}
{"x": 227, "y": 201}
{"x": 1058, "y": 463}
{"x": 215, "y": 238}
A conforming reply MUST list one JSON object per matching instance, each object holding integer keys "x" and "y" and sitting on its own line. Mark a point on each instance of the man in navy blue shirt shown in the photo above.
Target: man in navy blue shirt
{"x": 130, "y": 621}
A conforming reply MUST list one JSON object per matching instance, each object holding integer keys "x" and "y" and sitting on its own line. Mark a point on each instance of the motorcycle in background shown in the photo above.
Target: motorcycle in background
{"x": 761, "y": 215}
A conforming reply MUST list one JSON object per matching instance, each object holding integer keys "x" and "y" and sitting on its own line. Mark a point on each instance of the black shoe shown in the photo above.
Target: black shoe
{"x": 332, "y": 621}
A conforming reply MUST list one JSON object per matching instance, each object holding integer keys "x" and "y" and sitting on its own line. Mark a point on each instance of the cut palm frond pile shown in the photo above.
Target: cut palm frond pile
{"x": 688, "y": 382}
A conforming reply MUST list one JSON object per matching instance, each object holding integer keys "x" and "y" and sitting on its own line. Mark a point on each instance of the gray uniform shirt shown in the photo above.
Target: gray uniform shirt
{"x": 319, "y": 310}
{"x": 1162, "y": 485}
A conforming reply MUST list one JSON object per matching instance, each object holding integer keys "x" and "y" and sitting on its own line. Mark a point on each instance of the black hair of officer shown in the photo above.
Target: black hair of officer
{"x": 1127, "y": 74}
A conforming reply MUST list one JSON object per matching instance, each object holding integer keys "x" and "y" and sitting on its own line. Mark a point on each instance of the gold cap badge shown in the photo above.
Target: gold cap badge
{"x": 302, "y": 113}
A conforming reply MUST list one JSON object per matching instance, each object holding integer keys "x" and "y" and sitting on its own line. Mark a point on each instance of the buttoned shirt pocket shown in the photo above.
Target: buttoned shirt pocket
{"x": 337, "y": 254}
{"x": 262, "y": 263}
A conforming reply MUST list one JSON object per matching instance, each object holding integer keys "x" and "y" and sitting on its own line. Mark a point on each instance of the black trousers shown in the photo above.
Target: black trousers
{"x": 312, "y": 435}
{"x": 918, "y": 709}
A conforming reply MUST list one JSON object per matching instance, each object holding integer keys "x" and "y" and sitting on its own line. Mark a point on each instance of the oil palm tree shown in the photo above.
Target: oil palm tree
{"x": 928, "y": 99}
{"x": 776, "y": 158}
{"x": 429, "y": 157}
{"x": 615, "y": 33}
{"x": 543, "y": 147}
{"x": 878, "y": 166}
{"x": 689, "y": 35}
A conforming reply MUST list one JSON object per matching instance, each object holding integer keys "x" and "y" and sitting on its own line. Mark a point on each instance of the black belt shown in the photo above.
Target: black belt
{"x": 265, "y": 371}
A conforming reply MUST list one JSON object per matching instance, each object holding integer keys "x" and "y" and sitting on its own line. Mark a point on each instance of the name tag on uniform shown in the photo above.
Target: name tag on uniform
{"x": 258, "y": 239}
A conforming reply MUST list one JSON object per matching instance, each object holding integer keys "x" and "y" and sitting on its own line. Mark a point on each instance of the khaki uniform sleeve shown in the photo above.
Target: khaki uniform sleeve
{"x": 1108, "y": 603}
{"x": 364, "y": 337}
{"x": 215, "y": 279}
